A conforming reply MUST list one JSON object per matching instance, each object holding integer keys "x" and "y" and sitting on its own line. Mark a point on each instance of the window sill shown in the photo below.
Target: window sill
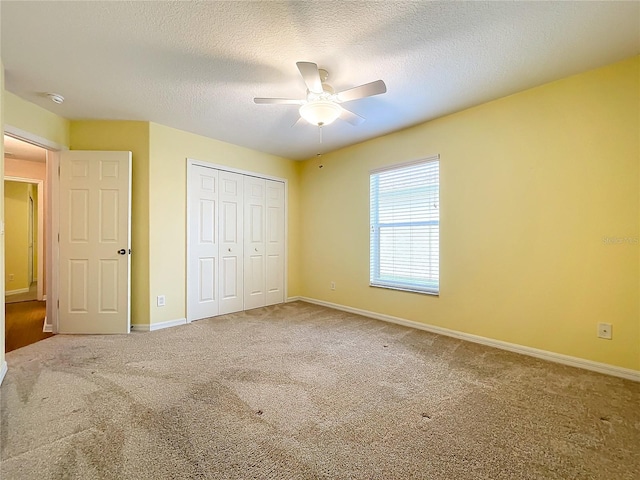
{"x": 408, "y": 290}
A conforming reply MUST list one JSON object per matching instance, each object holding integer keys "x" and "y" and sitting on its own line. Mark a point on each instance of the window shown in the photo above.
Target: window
{"x": 405, "y": 226}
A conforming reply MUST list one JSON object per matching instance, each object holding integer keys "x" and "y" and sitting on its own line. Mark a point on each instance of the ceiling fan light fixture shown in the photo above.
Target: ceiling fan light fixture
{"x": 320, "y": 112}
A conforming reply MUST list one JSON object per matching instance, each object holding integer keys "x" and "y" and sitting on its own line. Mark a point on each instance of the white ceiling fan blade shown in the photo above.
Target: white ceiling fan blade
{"x": 352, "y": 118}
{"x": 311, "y": 76}
{"x": 282, "y": 101}
{"x": 300, "y": 121}
{"x": 366, "y": 90}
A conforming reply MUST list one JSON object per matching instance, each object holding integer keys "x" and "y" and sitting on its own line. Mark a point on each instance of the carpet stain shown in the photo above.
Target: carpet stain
{"x": 254, "y": 375}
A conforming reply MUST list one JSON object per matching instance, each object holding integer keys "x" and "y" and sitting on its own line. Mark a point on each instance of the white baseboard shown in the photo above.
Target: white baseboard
{"x": 44, "y": 298}
{"x": 47, "y": 327}
{"x": 150, "y": 327}
{"x": 16, "y": 292}
{"x": 293, "y": 299}
{"x": 3, "y": 371}
{"x": 605, "y": 368}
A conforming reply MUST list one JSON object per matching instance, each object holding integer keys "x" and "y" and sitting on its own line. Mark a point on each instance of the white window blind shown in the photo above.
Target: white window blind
{"x": 405, "y": 227}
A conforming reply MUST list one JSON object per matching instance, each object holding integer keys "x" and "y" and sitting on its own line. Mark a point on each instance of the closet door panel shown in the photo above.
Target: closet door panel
{"x": 254, "y": 242}
{"x": 274, "y": 242}
{"x": 202, "y": 266}
{"x": 231, "y": 228}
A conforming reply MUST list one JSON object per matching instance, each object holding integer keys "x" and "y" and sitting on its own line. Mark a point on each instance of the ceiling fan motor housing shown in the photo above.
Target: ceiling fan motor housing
{"x": 322, "y": 104}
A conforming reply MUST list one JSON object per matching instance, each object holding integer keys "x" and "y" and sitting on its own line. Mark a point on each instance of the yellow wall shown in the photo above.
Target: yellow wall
{"x": 134, "y": 137}
{"x": 530, "y": 186}
{"x": 31, "y": 118}
{"x": 16, "y": 218}
{"x": 167, "y": 218}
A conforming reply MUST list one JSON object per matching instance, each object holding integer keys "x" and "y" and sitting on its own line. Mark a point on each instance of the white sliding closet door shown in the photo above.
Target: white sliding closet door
{"x": 202, "y": 267}
{"x": 236, "y": 242}
{"x": 275, "y": 242}
{"x": 231, "y": 200}
{"x": 254, "y": 242}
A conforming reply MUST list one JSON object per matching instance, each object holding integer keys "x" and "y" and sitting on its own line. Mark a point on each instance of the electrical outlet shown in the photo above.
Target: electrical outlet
{"x": 11, "y": 277}
{"x": 333, "y": 285}
{"x": 161, "y": 300}
{"x": 605, "y": 330}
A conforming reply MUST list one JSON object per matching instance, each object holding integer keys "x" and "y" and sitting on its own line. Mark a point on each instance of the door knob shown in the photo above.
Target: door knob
{"x": 122, "y": 251}
{"x": 229, "y": 249}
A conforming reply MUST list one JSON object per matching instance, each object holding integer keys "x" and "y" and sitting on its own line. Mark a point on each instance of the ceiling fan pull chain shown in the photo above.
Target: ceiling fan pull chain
{"x": 319, "y": 154}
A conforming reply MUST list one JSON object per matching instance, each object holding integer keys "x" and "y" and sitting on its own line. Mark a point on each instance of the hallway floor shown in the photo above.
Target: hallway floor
{"x": 23, "y": 324}
{"x": 32, "y": 294}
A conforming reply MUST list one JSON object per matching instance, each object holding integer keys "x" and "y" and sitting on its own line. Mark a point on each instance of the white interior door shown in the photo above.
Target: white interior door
{"x": 202, "y": 264}
{"x": 275, "y": 242}
{"x": 95, "y": 242}
{"x": 230, "y": 203}
{"x": 254, "y": 242}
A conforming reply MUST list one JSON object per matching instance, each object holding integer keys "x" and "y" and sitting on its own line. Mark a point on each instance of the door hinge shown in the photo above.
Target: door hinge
{"x": 58, "y": 304}
{"x": 58, "y": 170}
{"x": 58, "y": 238}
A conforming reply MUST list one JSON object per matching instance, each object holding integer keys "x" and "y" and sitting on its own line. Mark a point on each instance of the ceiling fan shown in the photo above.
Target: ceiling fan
{"x": 322, "y": 105}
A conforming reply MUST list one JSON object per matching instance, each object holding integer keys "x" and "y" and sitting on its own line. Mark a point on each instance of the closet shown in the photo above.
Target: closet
{"x": 236, "y": 241}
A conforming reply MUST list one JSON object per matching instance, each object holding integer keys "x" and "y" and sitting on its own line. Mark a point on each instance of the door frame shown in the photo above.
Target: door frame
{"x": 30, "y": 240}
{"x": 40, "y": 236}
{"x": 52, "y": 220}
{"x": 214, "y": 166}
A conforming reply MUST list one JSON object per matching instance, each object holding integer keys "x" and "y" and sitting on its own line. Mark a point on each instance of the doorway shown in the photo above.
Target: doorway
{"x": 24, "y": 267}
{"x": 25, "y": 195}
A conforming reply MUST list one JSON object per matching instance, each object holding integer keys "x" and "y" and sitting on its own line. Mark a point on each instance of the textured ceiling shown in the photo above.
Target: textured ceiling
{"x": 196, "y": 66}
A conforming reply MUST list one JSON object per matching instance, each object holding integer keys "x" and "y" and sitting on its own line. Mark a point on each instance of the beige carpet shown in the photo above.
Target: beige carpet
{"x": 299, "y": 391}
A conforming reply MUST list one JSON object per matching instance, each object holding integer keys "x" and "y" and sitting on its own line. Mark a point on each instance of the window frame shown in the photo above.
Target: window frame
{"x": 375, "y": 279}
